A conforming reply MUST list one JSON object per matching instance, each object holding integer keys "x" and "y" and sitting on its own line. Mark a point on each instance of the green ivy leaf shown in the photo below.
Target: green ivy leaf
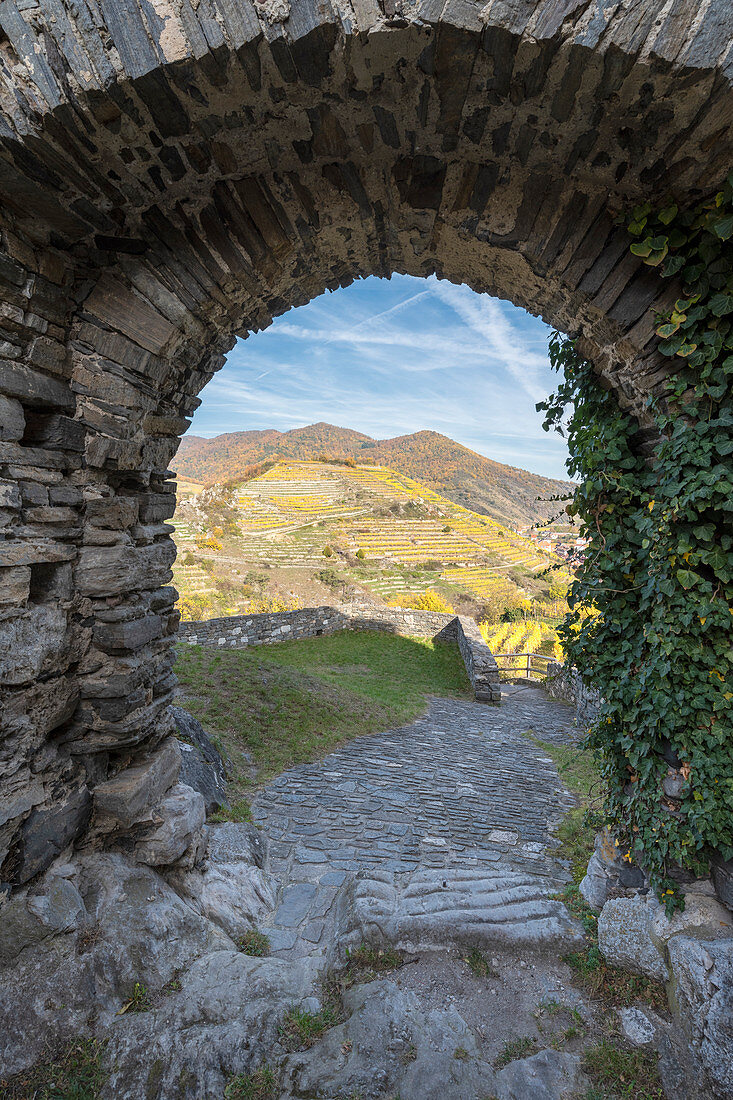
{"x": 720, "y": 304}
{"x": 668, "y": 214}
{"x": 724, "y": 228}
{"x": 642, "y": 248}
{"x": 656, "y": 256}
{"x": 673, "y": 265}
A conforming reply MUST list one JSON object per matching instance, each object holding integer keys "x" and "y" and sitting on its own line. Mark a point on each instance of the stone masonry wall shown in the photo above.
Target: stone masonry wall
{"x": 240, "y": 631}
{"x": 565, "y": 683}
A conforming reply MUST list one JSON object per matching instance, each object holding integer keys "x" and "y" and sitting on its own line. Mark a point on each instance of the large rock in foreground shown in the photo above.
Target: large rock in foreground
{"x": 692, "y": 954}
{"x": 201, "y": 764}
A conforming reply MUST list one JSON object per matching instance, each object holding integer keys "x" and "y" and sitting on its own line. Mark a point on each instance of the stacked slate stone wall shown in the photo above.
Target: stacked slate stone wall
{"x": 564, "y": 683}
{"x": 172, "y": 175}
{"x": 240, "y": 631}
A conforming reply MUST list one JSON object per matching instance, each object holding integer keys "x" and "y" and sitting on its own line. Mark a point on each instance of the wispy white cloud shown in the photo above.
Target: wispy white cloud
{"x": 391, "y": 311}
{"x": 440, "y": 357}
{"x": 486, "y": 317}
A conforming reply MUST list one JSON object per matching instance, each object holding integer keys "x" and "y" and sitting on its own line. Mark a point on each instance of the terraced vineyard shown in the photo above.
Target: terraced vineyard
{"x": 516, "y": 638}
{"x": 315, "y": 531}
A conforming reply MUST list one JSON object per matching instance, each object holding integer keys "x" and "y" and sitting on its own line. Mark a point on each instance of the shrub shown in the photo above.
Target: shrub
{"x": 327, "y": 552}
{"x": 430, "y": 600}
{"x": 557, "y": 588}
{"x": 208, "y": 542}
{"x": 274, "y": 603}
{"x": 196, "y": 607}
{"x": 330, "y": 578}
{"x": 361, "y": 555}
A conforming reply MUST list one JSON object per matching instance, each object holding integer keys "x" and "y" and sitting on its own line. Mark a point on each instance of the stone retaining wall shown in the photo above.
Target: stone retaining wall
{"x": 241, "y": 631}
{"x": 563, "y": 682}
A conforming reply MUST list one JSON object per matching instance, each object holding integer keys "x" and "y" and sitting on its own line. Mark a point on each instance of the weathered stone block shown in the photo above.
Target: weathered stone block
{"x": 48, "y": 831}
{"x": 33, "y": 644}
{"x": 28, "y": 919}
{"x": 130, "y": 635}
{"x": 35, "y": 388}
{"x": 12, "y": 420}
{"x": 131, "y": 796}
{"x": 34, "y": 494}
{"x": 116, "y": 512}
{"x": 111, "y": 570}
{"x": 201, "y": 765}
{"x": 57, "y": 431}
{"x": 549, "y": 1074}
{"x": 9, "y": 495}
{"x": 702, "y": 993}
{"x": 180, "y": 819}
{"x": 157, "y": 506}
{"x": 625, "y": 937}
{"x": 14, "y": 584}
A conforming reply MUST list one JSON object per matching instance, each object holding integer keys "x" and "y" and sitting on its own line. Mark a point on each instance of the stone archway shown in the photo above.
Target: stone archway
{"x": 174, "y": 174}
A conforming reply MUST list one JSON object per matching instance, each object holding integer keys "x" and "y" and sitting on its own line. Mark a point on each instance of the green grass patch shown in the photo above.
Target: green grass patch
{"x": 580, "y": 772}
{"x": 237, "y": 811}
{"x": 140, "y": 1000}
{"x": 516, "y": 1048}
{"x": 479, "y": 965}
{"x": 254, "y": 943}
{"x": 577, "y": 767}
{"x": 365, "y": 962}
{"x": 259, "y": 1085}
{"x": 576, "y": 834}
{"x": 297, "y": 701}
{"x": 300, "y": 1029}
{"x": 75, "y": 1074}
{"x": 620, "y": 1073}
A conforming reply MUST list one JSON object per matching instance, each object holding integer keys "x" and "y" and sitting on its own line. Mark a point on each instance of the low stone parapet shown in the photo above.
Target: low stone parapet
{"x": 482, "y": 669}
{"x": 240, "y": 631}
{"x": 268, "y": 628}
{"x": 564, "y": 682}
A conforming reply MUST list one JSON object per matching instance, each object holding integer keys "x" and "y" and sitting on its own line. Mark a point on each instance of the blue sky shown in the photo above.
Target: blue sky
{"x": 392, "y": 356}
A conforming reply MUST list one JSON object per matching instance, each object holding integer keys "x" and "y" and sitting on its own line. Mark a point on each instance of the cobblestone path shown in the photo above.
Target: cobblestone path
{"x": 446, "y": 821}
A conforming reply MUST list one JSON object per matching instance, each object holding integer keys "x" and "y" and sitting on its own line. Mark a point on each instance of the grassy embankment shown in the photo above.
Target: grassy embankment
{"x": 294, "y": 702}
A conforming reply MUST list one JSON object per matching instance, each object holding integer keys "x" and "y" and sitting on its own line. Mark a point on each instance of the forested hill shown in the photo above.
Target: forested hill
{"x": 506, "y": 493}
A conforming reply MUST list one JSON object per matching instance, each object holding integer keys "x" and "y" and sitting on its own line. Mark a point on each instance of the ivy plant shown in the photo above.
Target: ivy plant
{"x": 651, "y": 619}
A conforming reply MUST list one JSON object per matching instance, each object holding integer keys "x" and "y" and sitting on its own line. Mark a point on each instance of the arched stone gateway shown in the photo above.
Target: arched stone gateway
{"x": 175, "y": 173}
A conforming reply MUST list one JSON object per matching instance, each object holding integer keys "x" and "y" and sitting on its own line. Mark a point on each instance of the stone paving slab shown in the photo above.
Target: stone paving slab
{"x": 458, "y": 807}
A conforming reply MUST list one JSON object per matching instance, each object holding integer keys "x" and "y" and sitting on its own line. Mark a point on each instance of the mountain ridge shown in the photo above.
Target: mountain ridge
{"x": 506, "y": 493}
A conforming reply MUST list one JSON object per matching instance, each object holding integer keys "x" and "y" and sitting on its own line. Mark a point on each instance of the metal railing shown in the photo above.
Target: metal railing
{"x": 526, "y": 666}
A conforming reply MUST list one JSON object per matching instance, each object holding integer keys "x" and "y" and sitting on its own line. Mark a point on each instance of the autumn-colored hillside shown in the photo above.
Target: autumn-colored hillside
{"x": 504, "y": 492}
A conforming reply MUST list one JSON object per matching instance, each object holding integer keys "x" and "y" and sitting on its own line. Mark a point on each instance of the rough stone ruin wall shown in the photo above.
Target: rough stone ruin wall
{"x": 175, "y": 174}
